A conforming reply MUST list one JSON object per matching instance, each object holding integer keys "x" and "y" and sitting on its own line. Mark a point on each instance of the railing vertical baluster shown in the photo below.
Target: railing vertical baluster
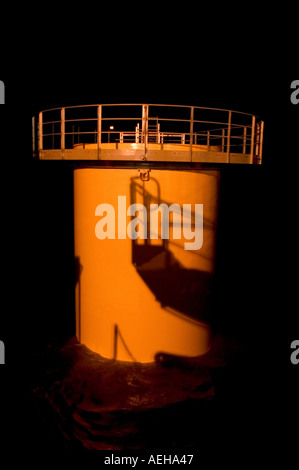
{"x": 62, "y": 130}
{"x": 261, "y": 142}
{"x": 145, "y": 127}
{"x": 257, "y": 140}
{"x": 159, "y": 134}
{"x": 252, "y": 139}
{"x": 191, "y": 130}
{"x": 40, "y": 131}
{"x": 99, "y": 130}
{"x": 228, "y": 136}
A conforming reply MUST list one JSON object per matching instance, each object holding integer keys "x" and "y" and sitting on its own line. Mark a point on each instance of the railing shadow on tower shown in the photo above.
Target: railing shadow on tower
{"x": 178, "y": 289}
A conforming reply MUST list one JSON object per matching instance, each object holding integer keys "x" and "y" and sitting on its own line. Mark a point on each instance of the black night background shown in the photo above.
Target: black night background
{"x": 255, "y": 409}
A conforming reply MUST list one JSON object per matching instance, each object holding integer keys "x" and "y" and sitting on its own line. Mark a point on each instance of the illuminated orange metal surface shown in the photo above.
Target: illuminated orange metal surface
{"x": 136, "y": 298}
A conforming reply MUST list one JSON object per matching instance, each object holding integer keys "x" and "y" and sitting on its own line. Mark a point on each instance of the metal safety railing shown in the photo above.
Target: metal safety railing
{"x": 213, "y": 129}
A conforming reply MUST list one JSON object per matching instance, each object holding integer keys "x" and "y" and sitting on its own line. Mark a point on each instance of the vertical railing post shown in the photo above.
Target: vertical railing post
{"x": 145, "y": 127}
{"x": 252, "y": 139}
{"x": 257, "y": 138}
{"x": 191, "y": 130}
{"x": 99, "y": 130}
{"x": 261, "y": 141}
{"x": 62, "y": 130}
{"x": 229, "y": 126}
{"x": 40, "y": 131}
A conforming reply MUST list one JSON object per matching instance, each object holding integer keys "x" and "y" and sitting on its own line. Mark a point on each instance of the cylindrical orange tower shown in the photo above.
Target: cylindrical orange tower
{"x": 136, "y": 297}
{"x": 145, "y": 218}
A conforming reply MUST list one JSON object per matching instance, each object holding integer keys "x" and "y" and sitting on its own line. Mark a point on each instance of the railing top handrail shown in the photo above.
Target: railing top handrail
{"x": 149, "y": 105}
